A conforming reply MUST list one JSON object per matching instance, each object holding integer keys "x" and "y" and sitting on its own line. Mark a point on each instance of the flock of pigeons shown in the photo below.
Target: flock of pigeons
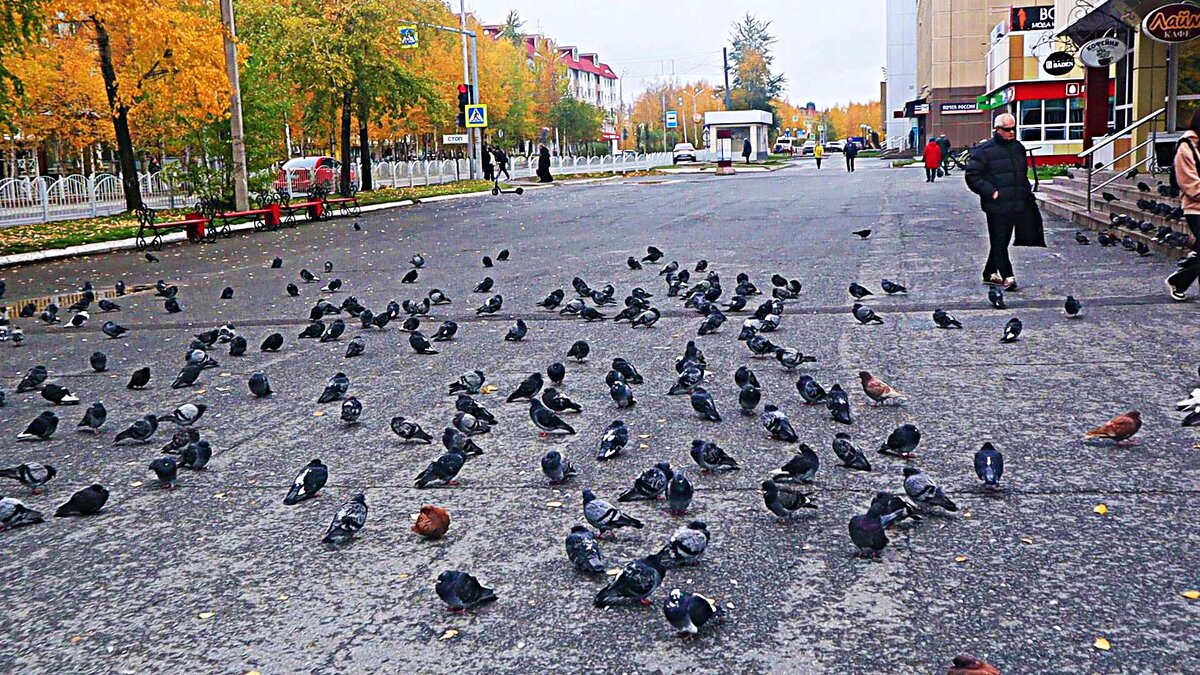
{"x": 700, "y": 289}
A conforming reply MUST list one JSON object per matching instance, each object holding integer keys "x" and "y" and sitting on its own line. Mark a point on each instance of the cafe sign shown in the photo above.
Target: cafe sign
{"x": 1102, "y": 52}
{"x": 1174, "y": 23}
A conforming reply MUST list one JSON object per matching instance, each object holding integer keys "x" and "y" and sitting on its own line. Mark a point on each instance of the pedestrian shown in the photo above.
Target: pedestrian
{"x": 944, "y": 145}
{"x": 997, "y": 172}
{"x": 933, "y": 159}
{"x": 746, "y": 149}
{"x": 489, "y": 169}
{"x": 1186, "y": 176}
{"x": 818, "y": 154}
{"x": 501, "y": 163}
{"x": 850, "y": 151}
{"x": 543, "y": 170}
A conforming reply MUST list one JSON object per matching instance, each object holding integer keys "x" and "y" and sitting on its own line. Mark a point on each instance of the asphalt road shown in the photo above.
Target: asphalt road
{"x": 219, "y": 576}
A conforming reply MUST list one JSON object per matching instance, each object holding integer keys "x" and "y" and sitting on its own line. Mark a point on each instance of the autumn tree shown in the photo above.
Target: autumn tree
{"x": 754, "y": 85}
{"x": 20, "y": 23}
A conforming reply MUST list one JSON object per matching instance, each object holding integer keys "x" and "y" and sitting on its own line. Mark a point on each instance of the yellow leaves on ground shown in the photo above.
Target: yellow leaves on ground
{"x": 450, "y": 633}
{"x": 960, "y": 558}
{"x": 206, "y": 615}
{"x": 1102, "y": 644}
{"x": 1100, "y": 509}
{"x": 1191, "y": 594}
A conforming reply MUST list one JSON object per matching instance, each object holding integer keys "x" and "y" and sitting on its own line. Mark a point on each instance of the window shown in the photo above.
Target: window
{"x": 1058, "y": 119}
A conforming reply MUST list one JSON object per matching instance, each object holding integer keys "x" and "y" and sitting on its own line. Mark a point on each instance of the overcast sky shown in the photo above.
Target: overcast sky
{"x": 831, "y": 51}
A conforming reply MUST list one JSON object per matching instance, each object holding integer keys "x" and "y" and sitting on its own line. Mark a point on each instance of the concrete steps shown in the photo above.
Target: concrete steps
{"x": 1067, "y": 198}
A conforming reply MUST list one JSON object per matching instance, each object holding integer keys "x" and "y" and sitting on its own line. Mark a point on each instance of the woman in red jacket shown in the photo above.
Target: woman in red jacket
{"x": 933, "y": 160}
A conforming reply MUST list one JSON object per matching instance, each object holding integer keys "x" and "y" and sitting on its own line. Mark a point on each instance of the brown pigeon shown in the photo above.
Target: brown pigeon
{"x": 1120, "y": 429}
{"x": 879, "y": 391}
{"x": 965, "y": 664}
{"x": 433, "y": 522}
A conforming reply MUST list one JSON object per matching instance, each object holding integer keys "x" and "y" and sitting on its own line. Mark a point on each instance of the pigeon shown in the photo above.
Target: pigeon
{"x": 491, "y": 306}
{"x": 837, "y": 401}
{"x": 468, "y": 405}
{"x": 141, "y": 430}
{"x": 410, "y": 277}
{"x": 943, "y": 320}
{"x": 686, "y": 545}
{"x": 333, "y": 286}
{"x": 744, "y": 376}
{"x": 195, "y": 455}
{"x": 484, "y": 286}
{"x": 437, "y": 297}
{"x": 852, "y": 457}
{"x": 180, "y": 440}
{"x": 517, "y": 332}
{"x": 528, "y": 388}
{"x": 351, "y": 409}
{"x": 166, "y": 469}
{"x": 417, "y": 261}
{"x": 419, "y": 343}
{"x": 445, "y": 332}
{"x": 461, "y": 591}
{"x": 748, "y": 398}
{"x": 614, "y": 440}
{"x": 98, "y": 361}
{"x": 78, "y": 320}
{"x": 487, "y": 261}
{"x": 710, "y": 457}
{"x": 777, "y": 424}
{"x": 227, "y": 293}
{"x": 277, "y": 263}
{"x": 1012, "y": 330}
{"x": 679, "y": 494}
{"x": 859, "y": 292}
{"x": 879, "y": 391}
{"x": 862, "y": 234}
{"x": 965, "y": 664}
{"x": 409, "y": 431}
{"x": 293, "y": 290}
{"x": 790, "y": 358}
{"x": 308, "y": 277}
{"x": 335, "y": 388}
{"x": 502, "y": 256}
{"x": 627, "y": 371}
{"x": 1143, "y": 249}
{"x": 689, "y": 379}
{"x": 172, "y": 306}
{"x": 470, "y": 425}
{"x": 185, "y": 415}
{"x": 555, "y": 401}
{"x": 308, "y": 482}
{"x": 238, "y": 346}
{"x": 996, "y": 297}
{"x": 259, "y": 386}
{"x": 633, "y": 263}
{"x": 653, "y": 254}
{"x": 312, "y": 331}
{"x": 702, "y": 403}
{"x": 85, "y": 502}
{"x": 545, "y": 419}
{"x": 801, "y": 468}
{"x": 1109, "y": 197}
{"x": 637, "y": 581}
{"x": 32, "y": 476}
{"x": 867, "y": 532}
{"x": 41, "y": 428}
{"x": 579, "y": 351}
{"x": 784, "y": 502}
{"x": 59, "y": 395}
{"x": 355, "y": 347}
{"x": 622, "y": 394}
{"x": 989, "y": 466}
{"x": 432, "y": 522}
{"x": 94, "y": 417}
{"x": 556, "y": 467}
{"x": 552, "y": 300}
{"x": 604, "y": 516}
{"x": 272, "y": 343}
{"x": 864, "y": 314}
{"x": 689, "y": 612}
{"x": 584, "y": 551}
{"x": 33, "y": 379}
{"x": 442, "y": 470}
{"x": 1082, "y": 239}
{"x": 187, "y": 376}
{"x": 151, "y": 258}
{"x": 902, "y": 442}
{"x": 348, "y": 520}
{"x": 892, "y": 288}
{"x": 333, "y": 331}
{"x": 468, "y": 383}
{"x": 650, "y": 485}
{"x": 923, "y": 490}
{"x": 669, "y": 269}
{"x": 1119, "y": 429}
{"x": 14, "y": 514}
{"x": 1071, "y": 307}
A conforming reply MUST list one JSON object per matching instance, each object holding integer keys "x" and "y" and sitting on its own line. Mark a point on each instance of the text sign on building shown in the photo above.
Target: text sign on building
{"x": 1177, "y": 22}
{"x": 1059, "y": 63}
{"x": 1031, "y": 18}
{"x": 454, "y": 139}
{"x": 1102, "y": 52}
{"x": 672, "y": 119}
{"x": 958, "y": 108}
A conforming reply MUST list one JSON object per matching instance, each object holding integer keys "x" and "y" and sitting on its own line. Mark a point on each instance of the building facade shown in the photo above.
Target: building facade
{"x": 901, "y": 72}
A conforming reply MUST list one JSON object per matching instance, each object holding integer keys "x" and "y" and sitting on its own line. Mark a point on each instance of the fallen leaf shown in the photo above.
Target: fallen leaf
{"x": 613, "y": 572}
{"x": 1102, "y": 644}
{"x": 77, "y": 639}
{"x": 450, "y": 632}
{"x": 219, "y": 495}
{"x": 253, "y": 672}
{"x": 488, "y": 389}
{"x": 284, "y": 597}
{"x": 206, "y": 615}
{"x": 136, "y": 483}
{"x": 413, "y": 516}
{"x": 960, "y": 558}
{"x": 403, "y": 575}
{"x": 554, "y": 505}
{"x": 1101, "y": 509}
{"x": 643, "y": 446}
{"x": 643, "y": 435}
{"x": 1026, "y": 540}
{"x": 319, "y": 413}
{"x": 1191, "y": 594}
{"x": 201, "y": 391}
{"x": 729, "y": 605}
{"x": 806, "y": 547}
{"x": 226, "y": 374}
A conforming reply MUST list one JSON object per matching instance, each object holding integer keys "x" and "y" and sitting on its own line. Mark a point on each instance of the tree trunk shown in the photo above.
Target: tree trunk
{"x": 364, "y": 142}
{"x": 344, "y": 150}
{"x": 120, "y": 118}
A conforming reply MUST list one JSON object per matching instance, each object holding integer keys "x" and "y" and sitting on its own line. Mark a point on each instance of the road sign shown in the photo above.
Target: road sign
{"x": 672, "y": 119}
{"x": 408, "y": 37}
{"x": 476, "y": 116}
{"x": 454, "y": 139}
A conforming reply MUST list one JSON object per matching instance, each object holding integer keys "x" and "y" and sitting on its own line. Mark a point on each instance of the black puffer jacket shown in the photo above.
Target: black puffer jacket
{"x": 999, "y": 166}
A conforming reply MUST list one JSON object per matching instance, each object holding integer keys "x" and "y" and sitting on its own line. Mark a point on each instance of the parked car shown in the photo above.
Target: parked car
{"x": 307, "y": 172}
{"x": 808, "y": 148}
{"x": 835, "y": 146}
{"x": 783, "y": 145}
{"x": 683, "y": 152}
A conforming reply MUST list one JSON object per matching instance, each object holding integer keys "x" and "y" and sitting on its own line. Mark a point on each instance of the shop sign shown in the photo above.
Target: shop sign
{"x": 1059, "y": 63}
{"x": 1031, "y": 18}
{"x": 1102, "y": 52}
{"x": 1174, "y": 23}
{"x": 959, "y": 108}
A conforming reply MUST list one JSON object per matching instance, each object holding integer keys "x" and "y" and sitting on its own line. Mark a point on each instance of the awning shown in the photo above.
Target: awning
{"x": 916, "y": 108}
{"x": 1106, "y": 19}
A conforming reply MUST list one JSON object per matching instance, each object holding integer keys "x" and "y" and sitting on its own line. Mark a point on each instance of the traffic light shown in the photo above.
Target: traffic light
{"x": 464, "y": 99}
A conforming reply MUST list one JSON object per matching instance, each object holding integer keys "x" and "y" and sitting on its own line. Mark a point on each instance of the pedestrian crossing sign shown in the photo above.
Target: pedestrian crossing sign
{"x": 408, "y": 37}
{"x": 476, "y": 116}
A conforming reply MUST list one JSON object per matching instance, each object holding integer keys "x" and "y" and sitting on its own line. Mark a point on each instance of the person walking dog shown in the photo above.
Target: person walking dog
{"x": 933, "y": 159}
{"x": 1187, "y": 177}
{"x": 997, "y": 172}
{"x": 818, "y": 153}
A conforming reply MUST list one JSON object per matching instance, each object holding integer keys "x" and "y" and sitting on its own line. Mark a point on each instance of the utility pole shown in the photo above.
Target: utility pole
{"x": 683, "y": 111}
{"x": 725, "y": 60}
{"x": 240, "y": 197}
{"x": 462, "y": 24}
{"x": 664, "y": 119}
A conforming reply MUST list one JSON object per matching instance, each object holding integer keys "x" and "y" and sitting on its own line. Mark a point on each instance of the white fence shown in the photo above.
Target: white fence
{"x": 44, "y": 199}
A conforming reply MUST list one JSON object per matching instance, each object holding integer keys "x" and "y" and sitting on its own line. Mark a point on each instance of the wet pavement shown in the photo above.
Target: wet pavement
{"x": 219, "y": 576}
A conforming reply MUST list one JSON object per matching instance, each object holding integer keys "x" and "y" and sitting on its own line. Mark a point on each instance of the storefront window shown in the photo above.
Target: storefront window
{"x": 1029, "y": 121}
{"x": 1075, "y": 119}
{"x": 1057, "y": 119}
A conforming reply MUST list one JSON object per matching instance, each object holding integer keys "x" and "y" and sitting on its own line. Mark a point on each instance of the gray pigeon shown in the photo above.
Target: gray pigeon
{"x": 584, "y": 551}
{"x": 348, "y": 520}
{"x": 689, "y": 612}
{"x": 784, "y": 502}
{"x": 94, "y": 417}
{"x": 556, "y": 467}
{"x": 461, "y": 591}
{"x": 686, "y": 545}
{"x": 604, "y": 516}
{"x": 14, "y": 514}
{"x": 921, "y": 488}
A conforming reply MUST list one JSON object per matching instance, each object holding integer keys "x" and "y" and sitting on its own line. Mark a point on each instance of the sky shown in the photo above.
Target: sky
{"x": 832, "y": 52}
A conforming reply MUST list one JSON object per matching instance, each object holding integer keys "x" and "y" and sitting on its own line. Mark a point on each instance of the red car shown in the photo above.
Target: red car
{"x": 305, "y": 172}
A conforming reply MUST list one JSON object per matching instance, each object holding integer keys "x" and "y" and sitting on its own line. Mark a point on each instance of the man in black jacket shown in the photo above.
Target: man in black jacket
{"x": 997, "y": 173}
{"x": 850, "y": 151}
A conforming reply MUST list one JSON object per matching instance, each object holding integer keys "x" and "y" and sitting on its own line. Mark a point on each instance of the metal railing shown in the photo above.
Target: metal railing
{"x": 1086, "y": 155}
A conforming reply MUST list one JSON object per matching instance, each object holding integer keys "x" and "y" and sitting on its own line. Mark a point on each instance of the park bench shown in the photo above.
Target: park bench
{"x": 313, "y": 205}
{"x": 194, "y": 223}
{"x": 347, "y": 204}
{"x": 265, "y": 215}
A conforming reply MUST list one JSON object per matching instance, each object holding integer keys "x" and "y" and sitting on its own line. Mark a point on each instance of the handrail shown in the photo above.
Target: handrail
{"x": 1113, "y": 137}
{"x": 1123, "y": 155}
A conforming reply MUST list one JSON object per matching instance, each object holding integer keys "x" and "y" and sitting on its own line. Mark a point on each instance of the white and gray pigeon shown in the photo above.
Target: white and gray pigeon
{"x": 689, "y": 612}
{"x": 604, "y": 516}
{"x": 307, "y": 483}
{"x": 14, "y": 514}
{"x": 924, "y": 491}
{"x": 348, "y": 520}
{"x": 584, "y": 551}
{"x": 686, "y": 545}
{"x": 615, "y": 437}
{"x": 31, "y": 475}
{"x": 186, "y": 415}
